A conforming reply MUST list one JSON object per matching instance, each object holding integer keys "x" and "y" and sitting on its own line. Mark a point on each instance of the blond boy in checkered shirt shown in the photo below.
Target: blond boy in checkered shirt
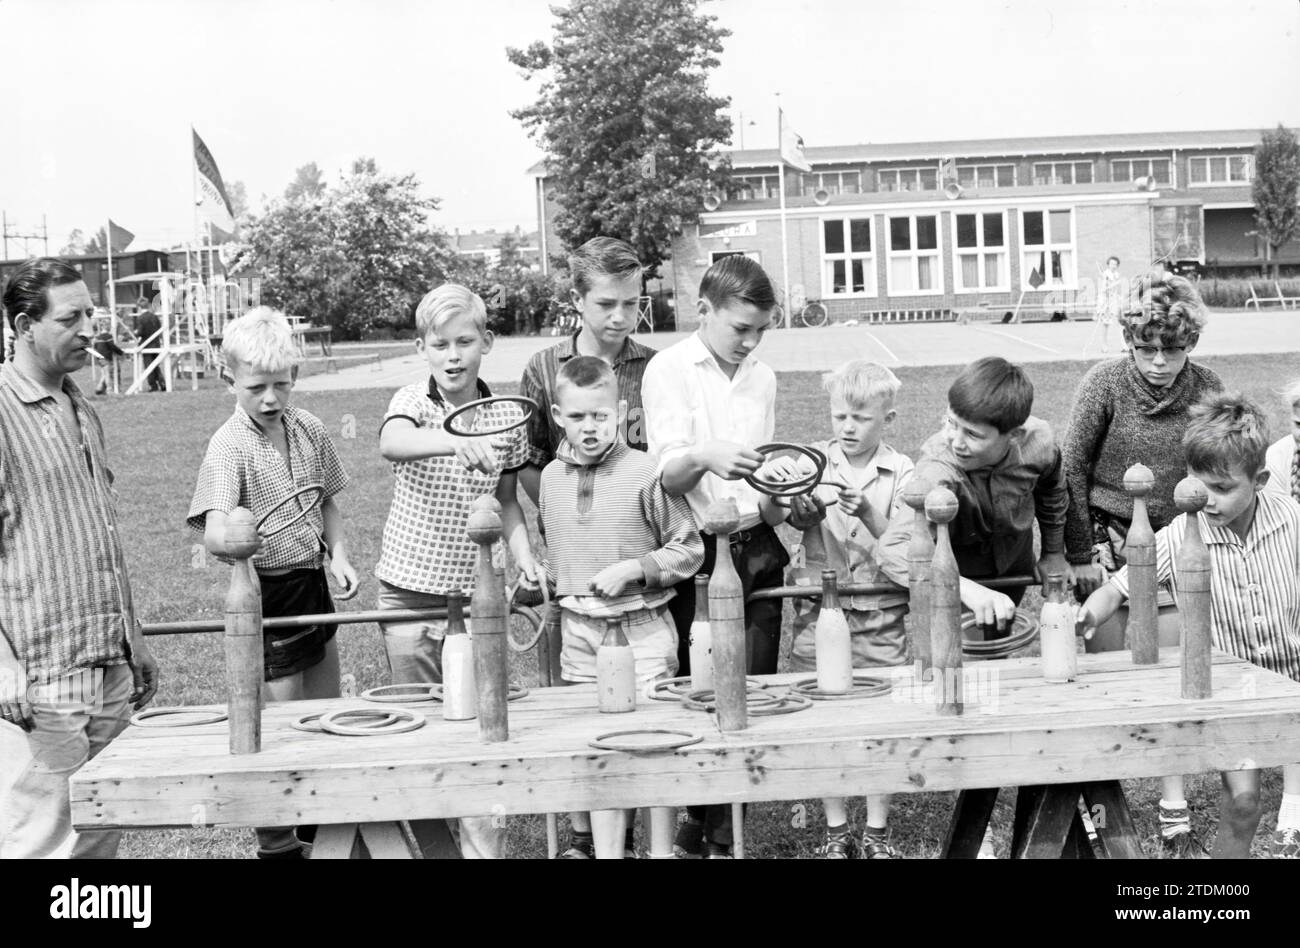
{"x": 426, "y": 553}
{"x": 264, "y": 453}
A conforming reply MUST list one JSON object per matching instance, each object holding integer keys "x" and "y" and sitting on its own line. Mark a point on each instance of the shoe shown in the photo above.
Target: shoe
{"x": 1284, "y": 844}
{"x": 689, "y": 842}
{"x": 1182, "y": 846}
{"x": 579, "y": 849}
{"x": 877, "y": 846}
{"x": 293, "y": 852}
{"x": 986, "y": 846}
{"x": 717, "y": 851}
{"x": 629, "y": 852}
{"x": 839, "y": 846}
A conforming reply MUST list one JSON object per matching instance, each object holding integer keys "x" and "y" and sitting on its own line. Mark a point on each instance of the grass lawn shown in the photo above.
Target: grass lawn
{"x": 156, "y": 443}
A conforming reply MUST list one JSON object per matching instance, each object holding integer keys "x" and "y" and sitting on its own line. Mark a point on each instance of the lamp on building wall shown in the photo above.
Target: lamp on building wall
{"x": 1144, "y": 183}
{"x": 822, "y": 196}
{"x": 712, "y": 201}
{"x": 952, "y": 190}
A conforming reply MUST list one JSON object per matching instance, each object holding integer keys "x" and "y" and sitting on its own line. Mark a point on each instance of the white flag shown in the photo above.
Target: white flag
{"x": 792, "y": 147}
{"x": 214, "y": 203}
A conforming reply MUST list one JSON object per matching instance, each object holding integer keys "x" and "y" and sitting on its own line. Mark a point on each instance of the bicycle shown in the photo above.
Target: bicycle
{"x": 810, "y": 313}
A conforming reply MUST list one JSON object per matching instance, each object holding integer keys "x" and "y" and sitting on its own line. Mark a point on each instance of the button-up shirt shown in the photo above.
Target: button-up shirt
{"x": 993, "y": 532}
{"x": 538, "y": 383}
{"x": 242, "y": 468}
{"x": 425, "y": 546}
{"x": 1254, "y": 583}
{"x": 842, "y": 542}
{"x": 65, "y": 601}
{"x": 689, "y": 399}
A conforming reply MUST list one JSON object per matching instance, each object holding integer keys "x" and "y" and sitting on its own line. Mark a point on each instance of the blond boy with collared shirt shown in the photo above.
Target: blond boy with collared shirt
{"x": 841, "y": 525}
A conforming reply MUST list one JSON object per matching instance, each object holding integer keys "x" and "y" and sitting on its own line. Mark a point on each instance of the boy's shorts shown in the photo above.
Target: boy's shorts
{"x": 650, "y": 632}
{"x": 414, "y": 647}
{"x": 878, "y": 638}
{"x": 298, "y": 592}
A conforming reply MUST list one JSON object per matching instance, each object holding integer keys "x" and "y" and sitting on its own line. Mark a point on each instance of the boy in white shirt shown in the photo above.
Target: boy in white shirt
{"x": 709, "y": 403}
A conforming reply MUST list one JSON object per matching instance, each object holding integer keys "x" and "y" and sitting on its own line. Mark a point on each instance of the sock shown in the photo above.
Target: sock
{"x": 1288, "y": 815}
{"x": 583, "y": 841}
{"x": 840, "y": 829}
{"x": 628, "y": 839}
{"x": 880, "y": 831}
{"x": 1174, "y": 818}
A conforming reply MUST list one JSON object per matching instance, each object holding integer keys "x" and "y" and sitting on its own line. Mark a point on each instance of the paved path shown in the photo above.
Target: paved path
{"x": 818, "y": 350}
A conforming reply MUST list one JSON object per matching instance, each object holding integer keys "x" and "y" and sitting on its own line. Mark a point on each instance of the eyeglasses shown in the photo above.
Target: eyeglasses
{"x": 1169, "y": 352}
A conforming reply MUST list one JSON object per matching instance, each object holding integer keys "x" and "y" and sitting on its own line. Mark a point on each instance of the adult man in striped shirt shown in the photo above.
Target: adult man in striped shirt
{"x": 72, "y": 660}
{"x": 606, "y": 291}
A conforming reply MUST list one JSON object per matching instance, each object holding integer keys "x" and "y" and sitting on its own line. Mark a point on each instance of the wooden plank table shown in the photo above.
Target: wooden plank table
{"x": 1118, "y": 721}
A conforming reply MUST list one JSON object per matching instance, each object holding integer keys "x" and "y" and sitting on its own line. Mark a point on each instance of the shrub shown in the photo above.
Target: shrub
{"x": 1234, "y": 294}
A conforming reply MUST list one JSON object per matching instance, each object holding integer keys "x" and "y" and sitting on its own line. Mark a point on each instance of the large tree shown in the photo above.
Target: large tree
{"x": 1277, "y": 185}
{"x": 624, "y": 114}
{"x": 355, "y": 256}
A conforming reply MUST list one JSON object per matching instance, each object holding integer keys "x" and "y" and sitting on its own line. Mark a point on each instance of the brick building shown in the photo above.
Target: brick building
{"x": 920, "y": 229}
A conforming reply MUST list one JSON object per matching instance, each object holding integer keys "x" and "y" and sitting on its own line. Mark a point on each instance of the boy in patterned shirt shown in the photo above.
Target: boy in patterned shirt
{"x": 426, "y": 553}
{"x": 266, "y": 451}
{"x": 1253, "y": 536}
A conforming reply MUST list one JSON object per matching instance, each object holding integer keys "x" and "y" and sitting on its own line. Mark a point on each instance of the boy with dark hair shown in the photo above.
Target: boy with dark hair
{"x": 606, "y": 292}
{"x": 1253, "y": 537}
{"x": 1005, "y": 468}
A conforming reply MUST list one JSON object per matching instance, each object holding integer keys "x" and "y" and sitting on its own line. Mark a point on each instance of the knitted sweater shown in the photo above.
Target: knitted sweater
{"x": 1120, "y": 419}
{"x": 596, "y": 515}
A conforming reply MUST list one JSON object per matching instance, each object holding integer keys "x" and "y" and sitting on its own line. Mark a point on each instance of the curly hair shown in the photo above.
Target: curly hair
{"x": 1164, "y": 307}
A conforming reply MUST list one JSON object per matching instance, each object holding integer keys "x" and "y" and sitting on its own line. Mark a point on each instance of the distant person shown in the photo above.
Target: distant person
{"x": 146, "y": 325}
{"x": 73, "y": 661}
{"x": 1111, "y": 298}
{"x": 1284, "y": 454}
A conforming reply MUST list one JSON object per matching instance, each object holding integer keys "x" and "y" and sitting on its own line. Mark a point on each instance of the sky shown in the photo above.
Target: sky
{"x": 97, "y": 96}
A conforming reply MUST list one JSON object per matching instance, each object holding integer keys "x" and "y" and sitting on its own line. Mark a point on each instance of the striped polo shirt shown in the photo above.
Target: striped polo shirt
{"x": 64, "y": 593}
{"x": 538, "y": 383}
{"x": 596, "y": 515}
{"x": 1254, "y": 585}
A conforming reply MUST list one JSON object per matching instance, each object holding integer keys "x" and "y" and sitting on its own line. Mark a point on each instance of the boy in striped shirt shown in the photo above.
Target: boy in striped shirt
{"x": 1253, "y": 537}
{"x": 617, "y": 542}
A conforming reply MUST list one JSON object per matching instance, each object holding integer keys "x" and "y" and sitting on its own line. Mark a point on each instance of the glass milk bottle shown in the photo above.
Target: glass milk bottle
{"x": 1060, "y": 654}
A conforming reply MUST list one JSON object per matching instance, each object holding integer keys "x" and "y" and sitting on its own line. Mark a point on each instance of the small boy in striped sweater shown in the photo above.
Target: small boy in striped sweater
{"x": 617, "y": 542}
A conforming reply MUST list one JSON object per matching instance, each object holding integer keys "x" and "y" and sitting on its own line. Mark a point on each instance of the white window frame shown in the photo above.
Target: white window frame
{"x": 1047, "y": 247}
{"x": 1208, "y": 162}
{"x": 891, "y": 254}
{"x": 1004, "y": 272}
{"x": 770, "y": 182}
{"x": 832, "y": 181}
{"x": 914, "y": 173}
{"x": 1150, "y": 163}
{"x": 1053, "y": 166}
{"x": 975, "y": 169}
{"x": 847, "y": 257}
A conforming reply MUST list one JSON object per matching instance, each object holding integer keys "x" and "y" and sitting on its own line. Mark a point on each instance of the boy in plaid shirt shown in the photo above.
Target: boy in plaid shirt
{"x": 266, "y": 451}
{"x": 426, "y": 553}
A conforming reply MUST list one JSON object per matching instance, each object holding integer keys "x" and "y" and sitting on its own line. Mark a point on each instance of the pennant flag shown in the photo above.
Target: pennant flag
{"x": 213, "y": 201}
{"x": 792, "y": 147}
{"x": 119, "y": 238}
{"x": 1036, "y": 278}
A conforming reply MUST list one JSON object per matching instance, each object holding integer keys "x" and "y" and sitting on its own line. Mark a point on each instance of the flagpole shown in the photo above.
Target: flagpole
{"x": 112, "y": 298}
{"x": 194, "y": 201}
{"x": 785, "y": 245}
